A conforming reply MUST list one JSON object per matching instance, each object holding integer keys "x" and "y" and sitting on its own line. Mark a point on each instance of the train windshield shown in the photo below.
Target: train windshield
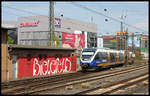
{"x": 88, "y": 53}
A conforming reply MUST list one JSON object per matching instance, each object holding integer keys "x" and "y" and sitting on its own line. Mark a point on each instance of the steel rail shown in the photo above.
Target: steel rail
{"x": 82, "y": 80}
{"x": 41, "y": 84}
{"x": 106, "y": 89}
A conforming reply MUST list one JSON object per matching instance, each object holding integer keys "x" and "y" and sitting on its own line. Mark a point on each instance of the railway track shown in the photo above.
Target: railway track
{"x": 44, "y": 80}
{"x": 36, "y": 79}
{"x": 33, "y": 88}
{"x": 63, "y": 84}
{"x": 115, "y": 86}
{"x": 83, "y": 80}
{"x": 19, "y": 82}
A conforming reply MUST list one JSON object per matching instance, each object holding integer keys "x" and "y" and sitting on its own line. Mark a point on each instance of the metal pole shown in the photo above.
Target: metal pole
{"x": 121, "y": 31}
{"x": 140, "y": 43}
{"x": 51, "y": 23}
{"x": 133, "y": 42}
{"x": 7, "y": 75}
{"x": 126, "y": 45}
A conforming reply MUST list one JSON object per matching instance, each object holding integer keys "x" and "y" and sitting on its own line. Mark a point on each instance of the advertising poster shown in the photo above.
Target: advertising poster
{"x": 57, "y": 22}
{"x": 130, "y": 41}
{"x": 68, "y": 39}
{"x": 80, "y": 41}
{"x": 72, "y": 40}
{"x": 137, "y": 41}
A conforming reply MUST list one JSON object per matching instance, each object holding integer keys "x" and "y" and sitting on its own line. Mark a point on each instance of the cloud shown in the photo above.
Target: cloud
{"x": 142, "y": 25}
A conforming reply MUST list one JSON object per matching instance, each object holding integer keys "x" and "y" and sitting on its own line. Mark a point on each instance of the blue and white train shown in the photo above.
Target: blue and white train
{"x": 97, "y": 58}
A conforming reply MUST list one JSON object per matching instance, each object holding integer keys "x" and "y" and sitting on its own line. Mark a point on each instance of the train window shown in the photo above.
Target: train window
{"x": 104, "y": 55}
{"x": 101, "y": 55}
{"x": 112, "y": 56}
{"x": 120, "y": 56}
{"x": 97, "y": 56}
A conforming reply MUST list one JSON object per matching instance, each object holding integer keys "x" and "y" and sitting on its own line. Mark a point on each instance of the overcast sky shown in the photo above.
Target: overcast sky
{"x": 136, "y": 13}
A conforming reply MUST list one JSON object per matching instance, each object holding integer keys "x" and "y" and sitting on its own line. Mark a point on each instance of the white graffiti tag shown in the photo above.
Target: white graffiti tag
{"x": 51, "y": 66}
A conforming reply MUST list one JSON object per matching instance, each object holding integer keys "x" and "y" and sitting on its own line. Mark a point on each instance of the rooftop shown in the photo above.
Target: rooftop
{"x": 14, "y": 46}
{"x": 7, "y": 26}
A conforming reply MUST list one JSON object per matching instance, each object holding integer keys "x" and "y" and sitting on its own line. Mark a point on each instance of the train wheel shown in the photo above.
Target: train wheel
{"x": 83, "y": 69}
{"x": 98, "y": 68}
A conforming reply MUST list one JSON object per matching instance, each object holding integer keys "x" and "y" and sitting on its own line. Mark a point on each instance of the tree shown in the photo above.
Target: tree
{"x": 10, "y": 40}
{"x": 55, "y": 42}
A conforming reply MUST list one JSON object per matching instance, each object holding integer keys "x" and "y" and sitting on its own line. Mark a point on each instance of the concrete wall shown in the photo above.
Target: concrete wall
{"x": 3, "y": 54}
{"x": 6, "y": 65}
{"x": 33, "y": 62}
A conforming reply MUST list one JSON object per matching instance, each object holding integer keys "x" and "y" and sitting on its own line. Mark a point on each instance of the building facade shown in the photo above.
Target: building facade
{"x": 110, "y": 42}
{"x": 144, "y": 43}
{"x": 35, "y": 31}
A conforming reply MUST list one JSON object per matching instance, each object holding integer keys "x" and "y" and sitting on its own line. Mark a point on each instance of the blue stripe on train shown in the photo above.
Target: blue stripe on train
{"x": 95, "y": 62}
{"x": 98, "y": 61}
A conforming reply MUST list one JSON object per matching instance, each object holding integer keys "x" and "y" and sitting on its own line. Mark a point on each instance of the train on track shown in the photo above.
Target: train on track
{"x": 97, "y": 58}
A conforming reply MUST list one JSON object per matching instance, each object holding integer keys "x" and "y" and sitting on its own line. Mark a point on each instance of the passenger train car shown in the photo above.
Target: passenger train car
{"x": 97, "y": 58}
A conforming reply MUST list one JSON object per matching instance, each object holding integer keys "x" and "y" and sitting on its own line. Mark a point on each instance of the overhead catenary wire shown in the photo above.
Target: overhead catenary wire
{"x": 21, "y": 10}
{"x": 91, "y": 10}
{"x": 33, "y": 13}
{"x": 81, "y": 6}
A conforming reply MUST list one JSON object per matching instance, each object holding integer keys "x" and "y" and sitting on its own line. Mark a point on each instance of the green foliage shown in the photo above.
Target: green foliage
{"x": 138, "y": 58}
{"x": 55, "y": 42}
{"x": 10, "y": 40}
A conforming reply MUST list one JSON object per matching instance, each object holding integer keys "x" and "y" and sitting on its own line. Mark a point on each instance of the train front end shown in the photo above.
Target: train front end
{"x": 86, "y": 58}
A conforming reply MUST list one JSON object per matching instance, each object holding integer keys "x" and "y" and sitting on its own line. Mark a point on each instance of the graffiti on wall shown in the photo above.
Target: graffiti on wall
{"x": 48, "y": 66}
{"x": 73, "y": 40}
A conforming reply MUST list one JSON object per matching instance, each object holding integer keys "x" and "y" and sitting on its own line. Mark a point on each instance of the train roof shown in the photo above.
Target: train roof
{"x": 105, "y": 50}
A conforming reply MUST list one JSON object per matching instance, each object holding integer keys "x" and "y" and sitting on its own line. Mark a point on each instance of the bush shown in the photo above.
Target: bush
{"x": 139, "y": 58}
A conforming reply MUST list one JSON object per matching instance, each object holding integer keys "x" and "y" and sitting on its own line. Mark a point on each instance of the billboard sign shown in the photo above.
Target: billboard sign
{"x": 57, "y": 22}
{"x": 130, "y": 41}
{"x": 69, "y": 39}
{"x": 73, "y": 40}
{"x": 29, "y": 24}
{"x": 108, "y": 37}
{"x": 137, "y": 41}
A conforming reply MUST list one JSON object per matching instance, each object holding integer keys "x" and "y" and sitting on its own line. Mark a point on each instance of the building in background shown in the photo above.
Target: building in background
{"x": 144, "y": 43}
{"x": 109, "y": 42}
{"x": 34, "y": 30}
{"x": 99, "y": 42}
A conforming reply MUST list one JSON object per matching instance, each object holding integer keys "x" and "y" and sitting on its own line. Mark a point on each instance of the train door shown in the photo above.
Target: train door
{"x": 104, "y": 57}
{"x": 109, "y": 60}
{"x": 117, "y": 57}
{"x": 112, "y": 57}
